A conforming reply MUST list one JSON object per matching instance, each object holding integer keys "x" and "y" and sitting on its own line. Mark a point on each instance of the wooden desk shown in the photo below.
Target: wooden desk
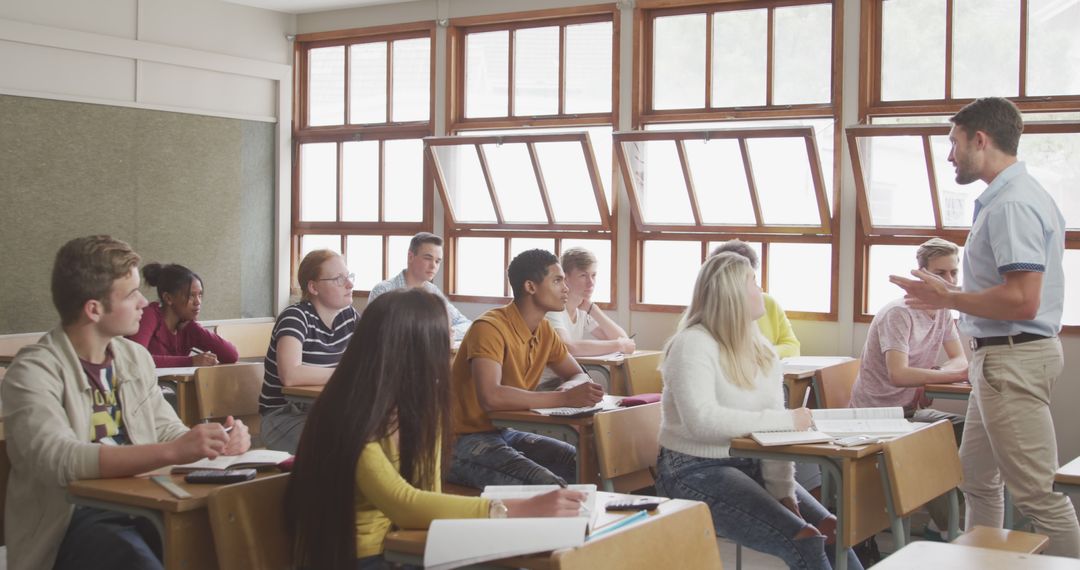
{"x": 613, "y": 368}
{"x": 957, "y": 391}
{"x": 575, "y": 431}
{"x": 184, "y": 524}
{"x": 10, "y": 344}
{"x": 1067, "y": 479}
{"x": 187, "y": 405}
{"x": 678, "y": 531}
{"x": 302, "y": 394}
{"x": 860, "y": 504}
{"x": 924, "y": 554}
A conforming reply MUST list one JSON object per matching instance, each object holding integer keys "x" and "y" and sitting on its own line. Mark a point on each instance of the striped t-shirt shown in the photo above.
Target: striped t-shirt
{"x": 322, "y": 346}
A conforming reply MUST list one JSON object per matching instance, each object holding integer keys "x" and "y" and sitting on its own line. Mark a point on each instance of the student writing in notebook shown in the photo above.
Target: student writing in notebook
{"x": 370, "y": 456}
{"x": 83, "y": 403}
{"x": 306, "y": 344}
{"x": 168, "y": 328}
{"x": 497, "y": 368}
{"x": 582, "y": 325}
{"x": 722, "y": 380}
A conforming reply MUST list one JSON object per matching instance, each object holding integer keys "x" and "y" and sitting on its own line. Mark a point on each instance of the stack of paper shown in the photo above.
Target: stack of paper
{"x": 862, "y": 421}
{"x": 769, "y": 438}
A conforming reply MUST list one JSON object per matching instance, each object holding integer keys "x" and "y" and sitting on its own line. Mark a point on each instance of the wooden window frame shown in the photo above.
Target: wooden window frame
{"x": 645, "y": 13}
{"x": 303, "y": 134}
{"x": 870, "y": 67}
{"x": 457, "y": 31}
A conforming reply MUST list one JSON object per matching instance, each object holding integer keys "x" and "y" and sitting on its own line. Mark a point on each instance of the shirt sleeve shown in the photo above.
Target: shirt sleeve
{"x": 459, "y": 323}
{"x": 405, "y": 505}
{"x": 484, "y": 341}
{"x": 557, "y": 320}
{"x": 1018, "y": 240}
{"x": 895, "y": 331}
{"x": 291, "y": 322}
{"x": 207, "y": 341}
{"x": 558, "y": 352}
{"x": 379, "y": 288}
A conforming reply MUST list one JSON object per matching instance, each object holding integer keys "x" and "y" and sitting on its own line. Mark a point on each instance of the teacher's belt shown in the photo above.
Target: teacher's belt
{"x": 977, "y": 343}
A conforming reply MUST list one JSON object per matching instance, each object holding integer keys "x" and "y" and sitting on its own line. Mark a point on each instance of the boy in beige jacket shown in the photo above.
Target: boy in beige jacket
{"x": 83, "y": 403}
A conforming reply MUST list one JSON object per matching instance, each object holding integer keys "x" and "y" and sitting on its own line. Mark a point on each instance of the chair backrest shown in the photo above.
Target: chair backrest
{"x": 643, "y": 374}
{"x": 921, "y": 466}
{"x": 833, "y": 384}
{"x": 230, "y": 390}
{"x": 251, "y": 339}
{"x": 248, "y": 522}
{"x": 627, "y": 443}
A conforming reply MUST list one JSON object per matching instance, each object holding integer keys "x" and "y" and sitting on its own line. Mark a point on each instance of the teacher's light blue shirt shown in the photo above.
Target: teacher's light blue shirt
{"x": 1018, "y": 227}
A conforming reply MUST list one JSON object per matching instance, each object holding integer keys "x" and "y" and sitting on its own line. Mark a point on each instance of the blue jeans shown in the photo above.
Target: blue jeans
{"x": 511, "y": 457}
{"x": 744, "y": 512}
{"x": 108, "y": 540}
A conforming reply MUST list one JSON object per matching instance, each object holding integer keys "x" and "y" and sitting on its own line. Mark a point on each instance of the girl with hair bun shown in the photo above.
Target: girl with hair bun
{"x": 168, "y": 328}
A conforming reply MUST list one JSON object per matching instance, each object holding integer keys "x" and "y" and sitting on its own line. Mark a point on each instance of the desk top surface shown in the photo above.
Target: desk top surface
{"x": 140, "y": 491}
{"x": 615, "y": 359}
{"x": 957, "y": 388}
{"x": 1069, "y": 473}
{"x": 818, "y": 449}
{"x": 924, "y": 554}
{"x": 303, "y": 391}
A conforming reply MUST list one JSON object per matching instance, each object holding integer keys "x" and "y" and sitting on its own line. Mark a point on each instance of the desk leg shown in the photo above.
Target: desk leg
{"x": 188, "y": 407}
{"x": 606, "y": 375}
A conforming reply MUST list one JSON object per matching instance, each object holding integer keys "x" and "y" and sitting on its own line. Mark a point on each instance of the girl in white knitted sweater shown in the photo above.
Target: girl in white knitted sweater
{"x": 723, "y": 380}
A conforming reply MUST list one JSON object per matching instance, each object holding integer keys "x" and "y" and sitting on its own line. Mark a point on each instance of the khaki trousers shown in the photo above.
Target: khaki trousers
{"x": 1009, "y": 437}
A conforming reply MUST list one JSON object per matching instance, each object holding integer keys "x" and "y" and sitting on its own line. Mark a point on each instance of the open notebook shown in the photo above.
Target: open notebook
{"x": 841, "y": 422}
{"x": 453, "y": 543}
{"x": 608, "y": 403}
{"x": 253, "y": 459}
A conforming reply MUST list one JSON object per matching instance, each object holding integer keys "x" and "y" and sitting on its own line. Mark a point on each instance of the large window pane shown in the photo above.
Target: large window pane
{"x": 486, "y": 81}
{"x": 602, "y": 250}
{"x": 588, "y": 68}
{"x": 739, "y": 48}
{"x": 480, "y": 268}
{"x": 326, "y": 86}
{"x": 897, "y": 185}
{"x": 518, "y": 245}
{"x": 957, "y": 201}
{"x": 672, "y": 268}
{"x": 318, "y": 182}
{"x": 515, "y": 182}
{"x": 1052, "y": 160}
{"x": 800, "y": 276}
{"x": 404, "y": 180}
{"x": 398, "y": 255}
{"x": 912, "y": 49}
{"x": 465, "y": 183}
{"x": 367, "y": 83}
{"x": 311, "y": 242}
{"x": 886, "y": 260}
{"x": 660, "y": 182}
{"x": 536, "y": 71}
{"x": 1071, "y": 262}
{"x": 412, "y": 80}
{"x": 360, "y": 181}
{"x": 364, "y": 258}
{"x": 986, "y": 47}
{"x": 720, "y": 181}
{"x": 678, "y": 64}
{"x": 802, "y": 47}
{"x": 569, "y": 186}
{"x": 785, "y": 187}
{"x": 1053, "y": 48}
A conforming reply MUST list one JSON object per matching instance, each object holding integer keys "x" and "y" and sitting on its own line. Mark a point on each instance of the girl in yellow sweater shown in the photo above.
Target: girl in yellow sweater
{"x": 369, "y": 457}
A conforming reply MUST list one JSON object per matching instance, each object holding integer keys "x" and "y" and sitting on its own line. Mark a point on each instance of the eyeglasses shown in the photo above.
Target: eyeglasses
{"x": 339, "y": 280}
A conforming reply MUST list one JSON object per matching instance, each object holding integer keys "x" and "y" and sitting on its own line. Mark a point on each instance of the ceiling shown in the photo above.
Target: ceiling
{"x": 305, "y": 6}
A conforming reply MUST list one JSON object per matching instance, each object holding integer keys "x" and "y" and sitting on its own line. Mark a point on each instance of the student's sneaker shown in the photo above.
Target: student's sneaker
{"x": 932, "y": 535}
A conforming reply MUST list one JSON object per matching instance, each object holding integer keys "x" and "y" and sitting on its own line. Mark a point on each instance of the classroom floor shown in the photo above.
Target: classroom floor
{"x": 753, "y": 560}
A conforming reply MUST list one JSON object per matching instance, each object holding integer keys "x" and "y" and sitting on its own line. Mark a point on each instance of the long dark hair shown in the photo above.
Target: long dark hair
{"x": 395, "y": 375}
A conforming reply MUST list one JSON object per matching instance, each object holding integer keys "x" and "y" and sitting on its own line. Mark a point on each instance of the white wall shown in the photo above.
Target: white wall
{"x": 202, "y": 57}
{"x": 844, "y": 337}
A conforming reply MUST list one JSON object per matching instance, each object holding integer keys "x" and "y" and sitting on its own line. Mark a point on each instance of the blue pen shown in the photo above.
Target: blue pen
{"x": 619, "y": 524}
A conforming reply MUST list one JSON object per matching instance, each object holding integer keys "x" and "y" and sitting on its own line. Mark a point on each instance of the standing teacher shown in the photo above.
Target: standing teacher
{"x": 1010, "y": 304}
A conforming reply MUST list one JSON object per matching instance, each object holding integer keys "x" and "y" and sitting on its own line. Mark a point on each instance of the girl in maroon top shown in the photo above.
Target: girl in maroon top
{"x": 168, "y": 328}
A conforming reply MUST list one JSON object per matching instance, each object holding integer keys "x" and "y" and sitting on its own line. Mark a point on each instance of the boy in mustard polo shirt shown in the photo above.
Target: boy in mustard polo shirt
{"x": 497, "y": 367}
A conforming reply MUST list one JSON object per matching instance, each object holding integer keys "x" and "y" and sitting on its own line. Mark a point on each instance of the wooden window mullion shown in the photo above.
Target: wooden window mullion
{"x": 507, "y": 292}
{"x": 490, "y": 183}
{"x": 390, "y": 82}
{"x": 764, "y": 261}
{"x": 348, "y": 84}
{"x": 340, "y": 150}
{"x": 935, "y": 197}
{"x": 770, "y": 56}
{"x": 510, "y": 78}
{"x": 708, "y": 59}
{"x": 562, "y": 70}
{"x": 948, "y": 48}
{"x": 751, "y": 184}
{"x": 691, "y": 191}
{"x": 382, "y": 181}
{"x": 540, "y": 183}
{"x": 386, "y": 256}
{"x": 1022, "y": 85}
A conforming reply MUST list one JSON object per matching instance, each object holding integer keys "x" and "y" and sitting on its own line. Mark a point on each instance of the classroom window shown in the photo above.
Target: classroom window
{"x": 529, "y": 160}
{"x": 360, "y": 179}
{"x": 925, "y": 60}
{"x": 735, "y": 143}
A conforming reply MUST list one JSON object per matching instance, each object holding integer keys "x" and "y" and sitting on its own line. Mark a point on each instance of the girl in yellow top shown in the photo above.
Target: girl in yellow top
{"x": 369, "y": 456}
